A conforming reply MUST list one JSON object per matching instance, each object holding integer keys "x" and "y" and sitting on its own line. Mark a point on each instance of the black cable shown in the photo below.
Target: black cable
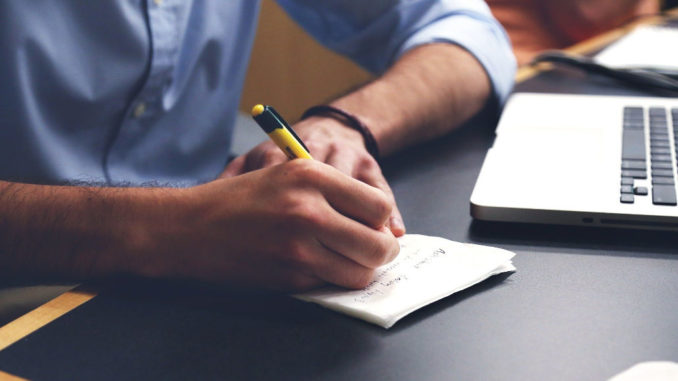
{"x": 643, "y": 78}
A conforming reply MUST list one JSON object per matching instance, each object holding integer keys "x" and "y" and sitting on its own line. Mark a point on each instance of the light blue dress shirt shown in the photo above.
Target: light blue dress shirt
{"x": 138, "y": 91}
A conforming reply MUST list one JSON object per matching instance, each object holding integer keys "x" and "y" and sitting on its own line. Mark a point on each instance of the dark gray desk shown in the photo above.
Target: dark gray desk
{"x": 583, "y": 305}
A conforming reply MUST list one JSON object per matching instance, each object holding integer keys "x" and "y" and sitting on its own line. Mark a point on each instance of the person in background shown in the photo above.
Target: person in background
{"x": 538, "y": 25}
{"x": 116, "y": 120}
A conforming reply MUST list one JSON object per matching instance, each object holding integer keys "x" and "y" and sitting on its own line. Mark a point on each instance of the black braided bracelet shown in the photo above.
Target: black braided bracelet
{"x": 349, "y": 120}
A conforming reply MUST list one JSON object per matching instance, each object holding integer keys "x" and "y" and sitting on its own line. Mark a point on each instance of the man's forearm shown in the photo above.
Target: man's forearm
{"x": 284, "y": 227}
{"x": 429, "y": 91}
{"x": 72, "y": 232}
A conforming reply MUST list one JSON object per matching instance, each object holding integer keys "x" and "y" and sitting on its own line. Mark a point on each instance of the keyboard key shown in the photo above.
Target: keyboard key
{"x": 634, "y": 124}
{"x": 664, "y": 195}
{"x": 633, "y": 145}
{"x": 658, "y": 158}
{"x": 662, "y": 173}
{"x": 640, "y": 191}
{"x": 660, "y": 144}
{"x": 636, "y": 174}
{"x": 633, "y": 110}
{"x": 633, "y": 164}
{"x": 627, "y": 181}
{"x": 660, "y": 151}
{"x": 662, "y": 181}
{"x": 626, "y": 189}
{"x": 657, "y": 110}
{"x": 661, "y": 165}
{"x": 626, "y": 198}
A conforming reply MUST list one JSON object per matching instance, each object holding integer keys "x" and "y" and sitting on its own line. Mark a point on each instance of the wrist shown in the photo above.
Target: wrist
{"x": 349, "y": 120}
{"x": 322, "y": 127}
{"x": 151, "y": 232}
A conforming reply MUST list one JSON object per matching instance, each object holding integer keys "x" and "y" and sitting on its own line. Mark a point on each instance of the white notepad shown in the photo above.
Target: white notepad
{"x": 426, "y": 270}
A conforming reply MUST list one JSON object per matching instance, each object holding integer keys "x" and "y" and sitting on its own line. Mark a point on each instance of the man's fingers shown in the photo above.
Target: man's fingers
{"x": 338, "y": 269}
{"x": 344, "y": 161}
{"x": 269, "y": 157}
{"x": 355, "y": 199}
{"x": 367, "y": 246}
{"x": 264, "y": 155}
{"x": 372, "y": 175}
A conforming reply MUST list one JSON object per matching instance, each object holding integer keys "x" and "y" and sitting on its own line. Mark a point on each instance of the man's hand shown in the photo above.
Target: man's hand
{"x": 412, "y": 102}
{"x": 330, "y": 142}
{"x": 291, "y": 226}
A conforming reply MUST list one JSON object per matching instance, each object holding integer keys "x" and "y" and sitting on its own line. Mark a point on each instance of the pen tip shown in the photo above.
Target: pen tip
{"x": 257, "y": 110}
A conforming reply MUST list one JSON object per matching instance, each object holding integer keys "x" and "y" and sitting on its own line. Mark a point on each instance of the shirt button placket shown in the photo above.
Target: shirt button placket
{"x": 162, "y": 18}
{"x": 139, "y": 110}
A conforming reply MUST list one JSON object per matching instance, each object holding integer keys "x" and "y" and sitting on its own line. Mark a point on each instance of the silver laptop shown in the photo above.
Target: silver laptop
{"x": 582, "y": 160}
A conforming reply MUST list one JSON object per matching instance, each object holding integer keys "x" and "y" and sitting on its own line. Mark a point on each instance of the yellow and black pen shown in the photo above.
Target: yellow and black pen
{"x": 280, "y": 132}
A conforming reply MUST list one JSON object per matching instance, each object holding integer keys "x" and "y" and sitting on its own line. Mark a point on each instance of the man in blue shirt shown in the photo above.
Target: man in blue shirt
{"x": 134, "y": 101}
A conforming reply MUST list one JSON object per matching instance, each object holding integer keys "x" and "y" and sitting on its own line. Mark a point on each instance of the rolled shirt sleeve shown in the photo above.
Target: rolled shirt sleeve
{"x": 376, "y": 33}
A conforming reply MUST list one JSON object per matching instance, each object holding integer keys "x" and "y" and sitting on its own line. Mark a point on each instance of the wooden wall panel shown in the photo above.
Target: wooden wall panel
{"x": 291, "y": 71}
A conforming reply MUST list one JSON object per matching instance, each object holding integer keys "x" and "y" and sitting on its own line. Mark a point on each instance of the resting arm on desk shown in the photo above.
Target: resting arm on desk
{"x": 450, "y": 62}
{"x": 250, "y": 230}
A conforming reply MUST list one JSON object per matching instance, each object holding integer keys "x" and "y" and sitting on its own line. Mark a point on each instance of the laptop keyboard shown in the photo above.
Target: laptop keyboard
{"x": 663, "y": 135}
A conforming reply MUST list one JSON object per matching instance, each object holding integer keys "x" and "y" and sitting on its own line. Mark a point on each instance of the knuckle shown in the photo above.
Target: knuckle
{"x": 303, "y": 170}
{"x": 303, "y": 215}
{"x": 296, "y": 254}
{"x": 383, "y": 206}
{"x": 369, "y": 163}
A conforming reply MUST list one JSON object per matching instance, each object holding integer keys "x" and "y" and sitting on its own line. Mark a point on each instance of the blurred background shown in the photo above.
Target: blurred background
{"x": 291, "y": 71}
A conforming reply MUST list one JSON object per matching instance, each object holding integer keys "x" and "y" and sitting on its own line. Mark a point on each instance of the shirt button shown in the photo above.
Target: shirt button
{"x": 139, "y": 110}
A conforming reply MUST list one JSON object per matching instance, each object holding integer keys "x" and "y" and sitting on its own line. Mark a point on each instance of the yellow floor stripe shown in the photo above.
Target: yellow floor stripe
{"x": 41, "y": 316}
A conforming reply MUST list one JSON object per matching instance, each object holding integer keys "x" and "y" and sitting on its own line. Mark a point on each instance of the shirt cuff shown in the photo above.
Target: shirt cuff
{"x": 485, "y": 39}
